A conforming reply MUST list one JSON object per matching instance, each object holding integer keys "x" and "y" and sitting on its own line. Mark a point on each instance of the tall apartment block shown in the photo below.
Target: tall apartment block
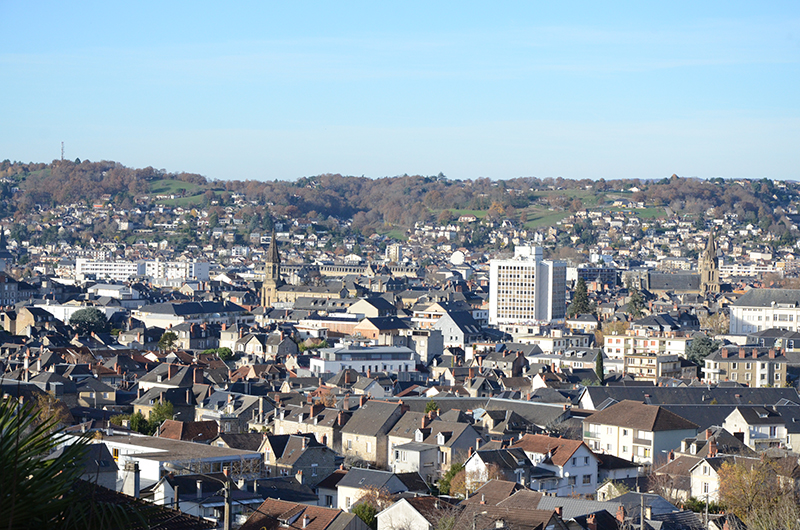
{"x": 527, "y": 288}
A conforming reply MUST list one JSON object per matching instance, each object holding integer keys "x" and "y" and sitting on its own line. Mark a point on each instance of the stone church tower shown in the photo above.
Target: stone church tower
{"x": 709, "y": 268}
{"x": 272, "y": 274}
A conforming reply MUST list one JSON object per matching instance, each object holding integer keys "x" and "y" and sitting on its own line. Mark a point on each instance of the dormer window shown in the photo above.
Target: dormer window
{"x": 418, "y": 436}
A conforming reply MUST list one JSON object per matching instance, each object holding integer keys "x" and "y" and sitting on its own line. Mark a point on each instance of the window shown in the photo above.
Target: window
{"x": 349, "y": 444}
{"x": 369, "y": 447}
{"x": 734, "y": 366}
{"x": 624, "y": 432}
{"x": 773, "y": 431}
{"x": 347, "y": 502}
{"x": 624, "y": 448}
{"x": 748, "y": 366}
{"x": 574, "y": 461}
{"x": 705, "y": 470}
{"x": 314, "y": 470}
{"x": 705, "y": 487}
{"x": 747, "y": 376}
{"x": 587, "y": 479}
{"x": 571, "y": 481}
{"x": 585, "y": 460}
{"x": 329, "y": 501}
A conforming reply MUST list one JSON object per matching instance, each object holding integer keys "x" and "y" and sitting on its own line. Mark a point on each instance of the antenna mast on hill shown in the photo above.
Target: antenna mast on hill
{"x": 62, "y": 151}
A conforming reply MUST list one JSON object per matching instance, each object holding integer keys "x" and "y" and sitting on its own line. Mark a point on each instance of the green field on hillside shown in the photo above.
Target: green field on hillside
{"x": 170, "y": 186}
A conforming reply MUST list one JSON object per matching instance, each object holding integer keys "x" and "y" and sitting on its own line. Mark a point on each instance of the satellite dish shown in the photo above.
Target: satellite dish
{"x": 457, "y": 258}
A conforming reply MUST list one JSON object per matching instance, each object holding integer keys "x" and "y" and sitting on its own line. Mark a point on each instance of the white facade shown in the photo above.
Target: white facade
{"x": 116, "y": 270}
{"x": 746, "y": 319}
{"x": 122, "y": 270}
{"x": 527, "y": 288}
{"x": 178, "y": 270}
{"x": 363, "y": 359}
{"x": 617, "y": 346}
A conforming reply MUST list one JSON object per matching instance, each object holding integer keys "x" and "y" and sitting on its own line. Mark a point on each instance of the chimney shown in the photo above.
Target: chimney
{"x": 199, "y": 489}
{"x": 132, "y": 479}
{"x": 241, "y": 332}
{"x": 117, "y": 369}
{"x": 304, "y": 442}
{"x": 771, "y": 353}
{"x": 472, "y": 372}
{"x": 621, "y": 514}
{"x": 224, "y": 326}
{"x": 346, "y": 376}
{"x": 708, "y": 434}
{"x": 172, "y": 369}
{"x": 591, "y": 522}
{"x": 198, "y": 376}
{"x": 362, "y": 400}
{"x": 404, "y": 407}
{"x": 369, "y": 372}
{"x": 139, "y": 393}
{"x": 469, "y": 453}
{"x": 671, "y": 456}
{"x": 299, "y": 476}
{"x": 309, "y": 399}
{"x": 559, "y": 511}
{"x": 425, "y": 421}
{"x": 306, "y": 520}
{"x": 742, "y": 353}
{"x": 226, "y": 471}
{"x": 712, "y": 448}
{"x": 340, "y": 419}
{"x": 724, "y": 353}
{"x": 317, "y": 409}
{"x": 648, "y": 513}
{"x": 755, "y": 353}
{"x": 478, "y": 442}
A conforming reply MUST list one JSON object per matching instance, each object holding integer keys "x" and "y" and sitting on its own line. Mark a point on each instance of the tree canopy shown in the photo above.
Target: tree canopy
{"x": 580, "y": 300}
{"x": 167, "y": 341}
{"x": 89, "y": 320}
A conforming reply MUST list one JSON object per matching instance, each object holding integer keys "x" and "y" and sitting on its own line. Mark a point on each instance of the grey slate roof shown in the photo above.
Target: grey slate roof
{"x": 765, "y": 298}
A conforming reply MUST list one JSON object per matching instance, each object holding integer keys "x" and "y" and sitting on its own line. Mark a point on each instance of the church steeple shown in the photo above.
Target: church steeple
{"x": 709, "y": 267}
{"x": 272, "y": 273}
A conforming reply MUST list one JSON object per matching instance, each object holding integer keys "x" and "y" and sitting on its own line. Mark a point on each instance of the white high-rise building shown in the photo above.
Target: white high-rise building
{"x": 527, "y": 288}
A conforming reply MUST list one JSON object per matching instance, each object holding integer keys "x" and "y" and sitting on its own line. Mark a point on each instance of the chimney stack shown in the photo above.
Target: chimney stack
{"x": 621, "y": 514}
{"x": 198, "y": 376}
{"x": 199, "y": 484}
{"x": 712, "y": 448}
{"x": 132, "y": 482}
{"x": 742, "y": 353}
{"x": 362, "y": 400}
{"x": 771, "y": 353}
{"x": 172, "y": 370}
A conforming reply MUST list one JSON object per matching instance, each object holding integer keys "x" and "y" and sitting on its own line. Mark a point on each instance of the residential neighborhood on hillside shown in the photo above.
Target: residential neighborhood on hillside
{"x": 611, "y": 370}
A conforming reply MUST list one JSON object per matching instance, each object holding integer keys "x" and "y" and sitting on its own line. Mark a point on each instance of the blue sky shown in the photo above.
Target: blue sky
{"x": 268, "y": 90}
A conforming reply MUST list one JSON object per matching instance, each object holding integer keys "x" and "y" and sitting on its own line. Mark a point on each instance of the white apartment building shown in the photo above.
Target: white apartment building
{"x": 177, "y": 270}
{"x": 364, "y": 359}
{"x": 116, "y": 270}
{"x": 761, "y": 309}
{"x": 122, "y": 270}
{"x": 527, "y": 288}
{"x": 649, "y": 343}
